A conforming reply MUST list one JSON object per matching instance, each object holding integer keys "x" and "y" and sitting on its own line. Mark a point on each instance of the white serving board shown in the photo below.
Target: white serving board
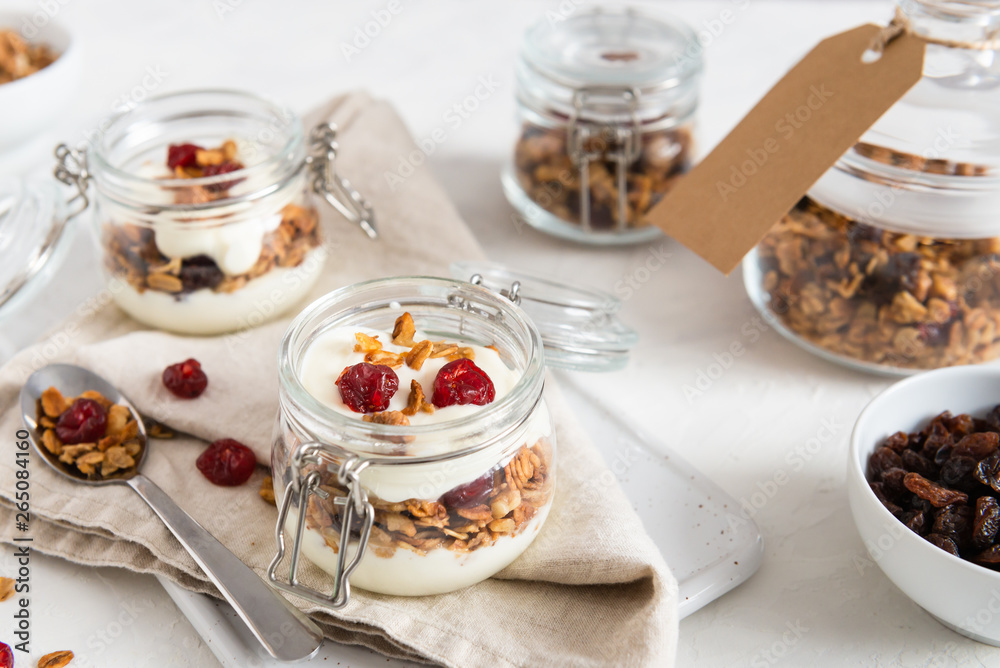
{"x": 708, "y": 546}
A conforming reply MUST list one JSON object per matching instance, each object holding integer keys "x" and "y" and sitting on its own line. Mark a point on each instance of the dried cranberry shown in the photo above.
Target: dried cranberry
{"x": 200, "y": 272}
{"x": 367, "y": 388}
{"x": 185, "y": 379}
{"x": 6, "y": 656}
{"x": 934, "y": 334}
{"x": 182, "y": 155}
{"x": 84, "y": 422}
{"x": 462, "y": 382}
{"x": 470, "y": 494}
{"x": 227, "y": 463}
{"x": 222, "y": 168}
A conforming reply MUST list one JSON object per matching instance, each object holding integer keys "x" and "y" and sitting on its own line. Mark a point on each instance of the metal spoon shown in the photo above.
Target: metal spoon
{"x": 284, "y": 631}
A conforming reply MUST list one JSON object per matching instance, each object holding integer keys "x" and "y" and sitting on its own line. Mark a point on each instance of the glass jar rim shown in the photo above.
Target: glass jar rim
{"x": 513, "y": 409}
{"x": 292, "y": 121}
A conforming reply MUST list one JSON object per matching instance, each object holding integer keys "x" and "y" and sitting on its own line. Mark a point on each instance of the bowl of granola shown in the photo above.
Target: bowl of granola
{"x": 39, "y": 73}
{"x": 923, "y": 483}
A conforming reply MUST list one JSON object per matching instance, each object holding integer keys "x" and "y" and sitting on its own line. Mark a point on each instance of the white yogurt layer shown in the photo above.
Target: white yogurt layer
{"x": 333, "y": 350}
{"x": 207, "y": 312}
{"x": 439, "y": 571}
{"x": 234, "y": 246}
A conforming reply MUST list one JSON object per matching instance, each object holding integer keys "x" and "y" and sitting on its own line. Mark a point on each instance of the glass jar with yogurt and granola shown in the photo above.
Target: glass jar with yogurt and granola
{"x": 204, "y": 209}
{"x": 606, "y": 103}
{"x": 891, "y": 262}
{"x": 413, "y": 452}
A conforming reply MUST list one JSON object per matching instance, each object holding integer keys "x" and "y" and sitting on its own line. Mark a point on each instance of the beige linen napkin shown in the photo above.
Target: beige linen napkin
{"x": 591, "y": 590}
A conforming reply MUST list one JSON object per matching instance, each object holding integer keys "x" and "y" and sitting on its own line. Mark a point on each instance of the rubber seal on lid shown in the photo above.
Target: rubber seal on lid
{"x": 579, "y": 326}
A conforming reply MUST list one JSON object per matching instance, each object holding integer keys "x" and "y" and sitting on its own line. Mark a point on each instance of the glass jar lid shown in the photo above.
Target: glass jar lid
{"x": 622, "y": 60}
{"x": 32, "y": 224}
{"x": 579, "y": 327}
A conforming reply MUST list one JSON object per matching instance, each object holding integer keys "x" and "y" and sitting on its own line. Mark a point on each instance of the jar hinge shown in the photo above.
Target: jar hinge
{"x": 336, "y": 190}
{"x": 73, "y": 171}
{"x": 355, "y": 503}
{"x": 626, "y": 151}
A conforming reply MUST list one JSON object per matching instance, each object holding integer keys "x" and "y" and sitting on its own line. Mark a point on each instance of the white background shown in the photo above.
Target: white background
{"x": 745, "y": 429}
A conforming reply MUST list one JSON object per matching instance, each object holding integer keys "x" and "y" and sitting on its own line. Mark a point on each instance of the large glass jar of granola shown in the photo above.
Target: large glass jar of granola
{"x": 412, "y": 411}
{"x": 204, "y": 210}
{"x": 891, "y": 262}
{"x": 606, "y": 103}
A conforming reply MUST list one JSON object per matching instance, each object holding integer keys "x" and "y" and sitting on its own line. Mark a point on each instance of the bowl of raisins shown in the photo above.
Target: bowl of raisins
{"x": 923, "y": 482}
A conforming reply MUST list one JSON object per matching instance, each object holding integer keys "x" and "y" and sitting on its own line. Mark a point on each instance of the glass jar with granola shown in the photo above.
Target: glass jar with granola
{"x": 204, "y": 210}
{"x": 412, "y": 412}
{"x": 891, "y": 262}
{"x": 606, "y": 102}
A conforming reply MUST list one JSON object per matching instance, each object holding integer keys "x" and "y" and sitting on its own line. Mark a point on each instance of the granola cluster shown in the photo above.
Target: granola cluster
{"x": 19, "y": 58}
{"x": 918, "y": 163}
{"x": 548, "y": 174}
{"x": 111, "y": 447}
{"x": 503, "y": 502}
{"x": 877, "y": 296}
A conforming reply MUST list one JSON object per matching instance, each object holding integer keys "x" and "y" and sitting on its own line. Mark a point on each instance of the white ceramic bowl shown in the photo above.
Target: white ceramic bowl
{"x": 33, "y": 103}
{"x": 960, "y": 594}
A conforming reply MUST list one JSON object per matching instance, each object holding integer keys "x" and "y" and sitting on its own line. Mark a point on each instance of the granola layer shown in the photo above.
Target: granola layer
{"x": 550, "y": 178}
{"x": 877, "y": 296}
{"x": 520, "y": 490}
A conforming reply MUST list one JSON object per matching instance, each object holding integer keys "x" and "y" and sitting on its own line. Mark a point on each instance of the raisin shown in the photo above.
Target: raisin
{"x": 85, "y": 421}
{"x": 899, "y": 273}
{"x": 978, "y": 446}
{"x": 915, "y": 521}
{"x": 185, "y": 379}
{"x": 956, "y": 473}
{"x": 936, "y": 494}
{"x": 955, "y": 522}
{"x": 227, "y": 463}
{"x": 470, "y": 494}
{"x": 897, "y": 441}
{"x": 993, "y": 419}
{"x": 462, "y": 382}
{"x": 934, "y": 334}
{"x": 182, "y": 155}
{"x": 892, "y": 481}
{"x": 990, "y": 557}
{"x": 918, "y": 464}
{"x": 961, "y": 425}
{"x": 882, "y": 460}
{"x": 200, "y": 272}
{"x": 945, "y": 543}
{"x": 988, "y": 471}
{"x": 937, "y": 437}
{"x": 879, "y": 489}
{"x": 942, "y": 455}
{"x": 367, "y": 388}
{"x": 986, "y": 523}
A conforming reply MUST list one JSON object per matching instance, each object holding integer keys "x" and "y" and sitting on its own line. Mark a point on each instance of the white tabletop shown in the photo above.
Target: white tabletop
{"x": 768, "y": 414}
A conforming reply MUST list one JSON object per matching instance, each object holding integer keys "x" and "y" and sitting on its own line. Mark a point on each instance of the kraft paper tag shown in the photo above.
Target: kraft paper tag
{"x": 727, "y": 203}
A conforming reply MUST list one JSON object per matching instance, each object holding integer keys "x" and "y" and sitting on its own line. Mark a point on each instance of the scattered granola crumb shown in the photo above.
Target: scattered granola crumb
{"x": 267, "y": 490}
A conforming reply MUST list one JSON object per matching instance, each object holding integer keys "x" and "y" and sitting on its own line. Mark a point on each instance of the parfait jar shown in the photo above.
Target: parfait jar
{"x": 891, "y": 262}
{"x": 400, "y": 508}
{"x": 204, "y": 208}
{"x": 606, "y": 105}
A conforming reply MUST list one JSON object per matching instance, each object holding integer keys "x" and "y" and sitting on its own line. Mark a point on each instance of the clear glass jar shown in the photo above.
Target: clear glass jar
{"x": 433, "y": 507}
{"x": 891, "y": 263}
{"x": 190, "y": 252}
{"x": 606, "y": 102}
